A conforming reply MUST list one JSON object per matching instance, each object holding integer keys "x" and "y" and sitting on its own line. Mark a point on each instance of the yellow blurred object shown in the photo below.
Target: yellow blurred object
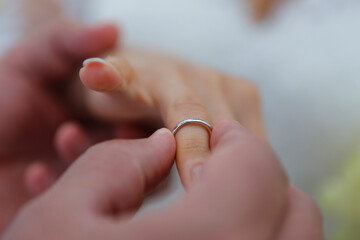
{"x": 340, "y": 200}
{"x": 262, "y": 8}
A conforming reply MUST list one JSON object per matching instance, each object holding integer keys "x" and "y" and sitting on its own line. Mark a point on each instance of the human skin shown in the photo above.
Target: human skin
{"x": 33, "y": 106}
{"x": 202, "y": 93}
{"x": 242, "y": 193}
{"x": 138, "y": 85}
{"x": 34, "y": 73}
{"x": 45, "y": 112}
{"x": 42, "y": 125}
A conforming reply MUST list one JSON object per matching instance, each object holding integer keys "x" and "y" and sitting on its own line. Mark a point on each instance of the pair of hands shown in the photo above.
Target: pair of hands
{"x": 34, "y": 73}
{"x": 99, "y": 194}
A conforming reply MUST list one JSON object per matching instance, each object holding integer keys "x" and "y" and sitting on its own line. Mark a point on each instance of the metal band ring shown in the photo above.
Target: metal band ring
{"x": 193, "y": 121}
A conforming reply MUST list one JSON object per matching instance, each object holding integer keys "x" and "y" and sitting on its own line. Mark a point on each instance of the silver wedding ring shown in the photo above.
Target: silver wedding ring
{"x": 189, "y": 121}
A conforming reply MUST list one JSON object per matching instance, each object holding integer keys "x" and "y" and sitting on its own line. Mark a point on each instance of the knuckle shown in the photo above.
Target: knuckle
{"x": 244, "y": 95}
{"x": 243, "y": 91}
{"x": 251, "y": 93}
{"x": 210, "y": 76}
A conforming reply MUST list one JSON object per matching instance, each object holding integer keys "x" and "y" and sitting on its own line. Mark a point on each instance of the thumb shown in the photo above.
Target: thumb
{"x": 240, "y": 194}
{"x": 247, "y": 177}
{"x": 112, "y": 177}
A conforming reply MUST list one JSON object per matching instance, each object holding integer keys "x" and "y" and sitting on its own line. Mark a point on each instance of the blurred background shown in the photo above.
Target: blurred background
{"x": 303, "y": 54}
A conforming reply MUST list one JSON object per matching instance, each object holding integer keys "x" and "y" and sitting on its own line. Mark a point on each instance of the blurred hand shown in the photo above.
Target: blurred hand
{"x": 33, "y": 104}
{"x": 240, "y": 192}
{"x": 142, "y": 85}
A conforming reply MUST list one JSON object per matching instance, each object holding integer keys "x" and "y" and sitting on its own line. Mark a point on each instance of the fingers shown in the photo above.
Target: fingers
{"x": 240, "y": 194}
{"x": 38, "y": 178}
{"x": 71, "y": 140}
{"x": 99, "y": 75}
{"x": 116, "y": 88}
{"x": 112, "y": 177}
{"x": 165, "y": 91}
{"x": 179, "y": 92}
{"x": 192, "y": 140}
{"x": 243, "y": 171}
{"x": 303, "y": 219}
{"x": 54, "y": 52}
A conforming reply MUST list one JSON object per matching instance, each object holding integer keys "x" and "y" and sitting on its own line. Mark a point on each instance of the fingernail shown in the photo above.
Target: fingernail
{"x": 196, "y": 173}
{"x": 90, "y": 60}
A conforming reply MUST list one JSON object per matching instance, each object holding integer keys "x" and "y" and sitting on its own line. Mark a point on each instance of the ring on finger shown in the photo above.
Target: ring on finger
{"x": 189, "y": 121}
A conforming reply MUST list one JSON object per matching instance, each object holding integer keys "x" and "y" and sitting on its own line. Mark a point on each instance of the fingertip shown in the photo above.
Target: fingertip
{"x": 165, "y": 138}
{"x": 162, "y": 148}
{"x": 223, "y": 127}
{"x": 71, "y": 141}
{"x": 98, "y": 75}
{"x": 38, "y": 178}
{"x": 162, "y": 133}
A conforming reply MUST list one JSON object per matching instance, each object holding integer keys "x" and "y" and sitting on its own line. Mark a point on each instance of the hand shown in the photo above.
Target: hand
{"x": 141, "y": 85}
{"x": 240, "y": 192}
{"x": 34, "y": 78}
